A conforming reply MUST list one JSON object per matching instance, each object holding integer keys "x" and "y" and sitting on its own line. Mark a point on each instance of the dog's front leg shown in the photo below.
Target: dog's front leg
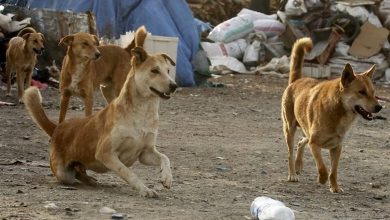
{"x": 65, "y": 96}
{"x": 88, "y": 101}
{"x": 152, "y": 157}
{"x": 334, "y": 159}
{"x": 112, "y": 162}
{"x": 316, "y": 152}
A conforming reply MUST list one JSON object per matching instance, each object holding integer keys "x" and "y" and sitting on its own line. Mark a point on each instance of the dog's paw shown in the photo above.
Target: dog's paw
{"x": 322, "y": 179}
{"x": 166, "y": 179}
{"x": 292, "y": 178}
{"x": 148, "y": 193}
{"x": 21, "y": 101}
{"x": 336, "y": 189}
{"x": 298, "y": 167}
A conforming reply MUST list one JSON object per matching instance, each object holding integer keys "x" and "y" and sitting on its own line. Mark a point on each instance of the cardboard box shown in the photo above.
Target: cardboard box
{"x": 316, "y": 70}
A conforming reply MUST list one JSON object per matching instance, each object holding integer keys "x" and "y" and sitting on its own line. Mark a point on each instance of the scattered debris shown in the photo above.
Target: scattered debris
{"x": 107, "y": 210}
{"x": 51, "y": 206}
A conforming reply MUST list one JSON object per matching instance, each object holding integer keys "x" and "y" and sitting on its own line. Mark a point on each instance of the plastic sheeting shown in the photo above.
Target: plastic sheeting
{"x": 171, "y": 18}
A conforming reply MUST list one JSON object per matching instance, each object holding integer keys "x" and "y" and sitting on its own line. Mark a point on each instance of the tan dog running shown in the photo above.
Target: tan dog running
{"x": 324, "y": 110}
{"x": 21, "y": 58}
{"x": 117, "y": 136}
{"x": 83, "y": 71}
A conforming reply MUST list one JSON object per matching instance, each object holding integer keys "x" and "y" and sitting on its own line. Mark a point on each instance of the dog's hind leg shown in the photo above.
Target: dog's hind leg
{"x": 334, "y": 159}
{"x": 112, "y": 162}
{"x": 152, "y": 157}
{"x": 8, "y": 71}
{"x": 108, "y": 92}
{"x": 299, "y": 157}
{"x": 81, "y": 174}
{"x": 289, "y": 129}
{"x": 20, "y": 77}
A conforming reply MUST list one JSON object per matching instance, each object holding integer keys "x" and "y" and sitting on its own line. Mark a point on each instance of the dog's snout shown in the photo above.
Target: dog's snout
{"x": 173, "y": 87}
{"x": 378, "y": 108}
{"x": 97, "y": 55}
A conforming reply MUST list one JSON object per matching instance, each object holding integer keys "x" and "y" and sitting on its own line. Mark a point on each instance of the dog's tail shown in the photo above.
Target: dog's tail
{"x": 139, "y": 39}
{"x": 27, "y": 30}
{"x": 301, "y": 46}
{"x": 32, "y": 99}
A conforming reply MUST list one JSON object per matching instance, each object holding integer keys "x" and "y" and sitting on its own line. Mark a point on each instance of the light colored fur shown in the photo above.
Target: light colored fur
{"x": 324, "y": 110}
{"x": 114, "y": 138}
{"x": 88, "y": 66}
{"x": 21, "y": 58}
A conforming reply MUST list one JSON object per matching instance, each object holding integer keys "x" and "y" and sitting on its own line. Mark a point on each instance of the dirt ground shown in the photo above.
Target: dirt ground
{"x": 226, "y": 148}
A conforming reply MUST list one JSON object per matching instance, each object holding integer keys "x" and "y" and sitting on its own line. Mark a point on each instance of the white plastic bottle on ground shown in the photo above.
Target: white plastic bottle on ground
{"x": 264, "y": 208}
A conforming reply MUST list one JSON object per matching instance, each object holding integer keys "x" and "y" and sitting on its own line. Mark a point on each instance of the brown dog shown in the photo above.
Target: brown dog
{"x": 324, "y": 110}
{"x": 21, "y": 58}
{"x": 117, "y": 136}
{"x": 83, "y": 71}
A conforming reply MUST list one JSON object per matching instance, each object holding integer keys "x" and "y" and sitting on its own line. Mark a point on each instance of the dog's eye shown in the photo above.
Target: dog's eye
{"x": 85, "y": 43}
{"x": 156, "y": 71}
{"x": 362, "y": 92}
{"x": 36, "y": 41}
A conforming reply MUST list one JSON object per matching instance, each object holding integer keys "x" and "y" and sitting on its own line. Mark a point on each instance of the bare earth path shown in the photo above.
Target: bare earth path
{"x": 226, "y": 147}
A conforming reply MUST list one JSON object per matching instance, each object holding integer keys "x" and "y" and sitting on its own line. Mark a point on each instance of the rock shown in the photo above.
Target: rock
{"x": 118, "y": 216}
{"x": 222, "y": 168}
{"x": 107, "y": 210}
{"x": 361, "y": 150}
{"x": 51, "y": 206}
{"x": 26, "y": 138}
{"x": 19, "y": 191}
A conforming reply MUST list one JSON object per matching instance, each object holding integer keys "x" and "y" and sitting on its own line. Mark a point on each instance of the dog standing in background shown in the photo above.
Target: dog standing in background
{"x": 21, "y": 58}
{"x": 324, "y": 110}
{"x": 87, "y": 66}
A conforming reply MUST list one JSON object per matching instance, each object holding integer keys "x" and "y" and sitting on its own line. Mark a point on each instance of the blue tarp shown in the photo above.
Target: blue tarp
{"x": 171, "y": 18}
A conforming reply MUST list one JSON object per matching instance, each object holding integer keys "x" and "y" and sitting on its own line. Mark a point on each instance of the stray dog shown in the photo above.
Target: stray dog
{"x": 324, "y": 110}
{"x": 21, "y": 57}
{"x": 87, "y": 66}
{"x": 115, "y": 137}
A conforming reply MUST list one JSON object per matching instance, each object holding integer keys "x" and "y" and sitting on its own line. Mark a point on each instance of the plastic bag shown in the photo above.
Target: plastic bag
{"x": 233, "y": 49}
{"x": 256, "y": 15}
{"x": 232, "y": 29}
{"x": 251, "y": 55}
{"x": 270, "y": 27}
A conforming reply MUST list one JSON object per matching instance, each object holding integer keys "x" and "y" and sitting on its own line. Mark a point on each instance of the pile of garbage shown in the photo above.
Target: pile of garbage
{"x": 216, "y": 11}
{"x": 345, "y": 31}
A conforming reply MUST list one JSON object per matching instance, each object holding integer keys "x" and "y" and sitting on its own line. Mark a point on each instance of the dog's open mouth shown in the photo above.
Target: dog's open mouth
{"x": 365, "y": 114}
{"x": 161, "y": 94}
{"x": 39, "y": 52}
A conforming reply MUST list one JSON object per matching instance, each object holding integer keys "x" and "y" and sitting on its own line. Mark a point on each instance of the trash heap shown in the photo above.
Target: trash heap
{"x": 216, "y": 11}
{"x": 346, "y": 31}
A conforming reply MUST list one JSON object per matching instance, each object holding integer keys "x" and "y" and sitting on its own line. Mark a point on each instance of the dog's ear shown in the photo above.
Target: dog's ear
{"x": 369, "y": 73}
{"x": 66, "y": 41}
{"x": 26, "y": 36}
{"x": 169, "y": 59}
{"x": 96, "y": 40}
{"x": 42, "y": 36}
{"x": 140, "y": 54}
{"x": 348, "y": 75}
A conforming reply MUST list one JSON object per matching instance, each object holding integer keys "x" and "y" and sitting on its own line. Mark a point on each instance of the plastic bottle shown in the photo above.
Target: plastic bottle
{"x": 264, "y": 208}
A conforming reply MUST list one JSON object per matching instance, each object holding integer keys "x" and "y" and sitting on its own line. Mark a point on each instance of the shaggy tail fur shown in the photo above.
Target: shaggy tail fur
{"x": 139, "y": 39}
{"x": 32, "y": 100}
{"x": 301, "y": 46}
{"x": 27, "y": 30}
